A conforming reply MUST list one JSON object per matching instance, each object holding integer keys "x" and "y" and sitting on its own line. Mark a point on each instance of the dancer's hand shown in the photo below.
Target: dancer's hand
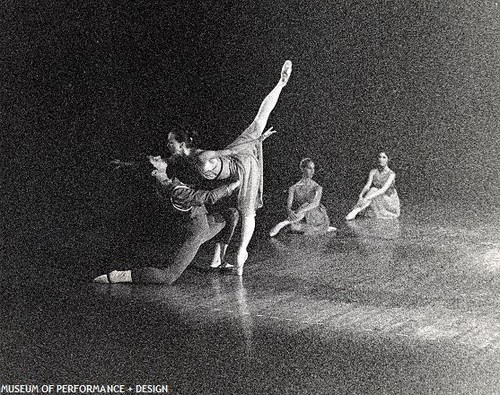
{"x": 158, "y": 162}
{"x": 267, "y": 133}
{"x": 160, "y": 176}
{"x": 118, "y": 164}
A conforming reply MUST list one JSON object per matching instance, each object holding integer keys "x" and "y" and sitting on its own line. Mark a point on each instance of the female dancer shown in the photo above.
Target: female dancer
{"x": 240, "y": 160}
{"x": 379, "y": 193}
{"x": 309, "y": 215}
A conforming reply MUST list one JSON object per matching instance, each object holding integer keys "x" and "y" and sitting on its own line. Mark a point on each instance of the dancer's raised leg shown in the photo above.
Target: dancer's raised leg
{"x": 256, "y": 128}
{"x": 271, "y": 99}
{"x": 254, "y": 131}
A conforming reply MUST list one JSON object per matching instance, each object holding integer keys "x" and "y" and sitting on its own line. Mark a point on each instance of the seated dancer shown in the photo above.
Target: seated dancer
{"x": 306, "y": 214}
{"x": 379, "y": 194}
{"x": 200, "y": 227}
{"x": 241, "y": 160}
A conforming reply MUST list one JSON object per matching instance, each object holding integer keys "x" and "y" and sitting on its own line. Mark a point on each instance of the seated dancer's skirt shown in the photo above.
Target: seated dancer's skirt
{"x": 384, "y": 206}
{"x": 313, "y": 221}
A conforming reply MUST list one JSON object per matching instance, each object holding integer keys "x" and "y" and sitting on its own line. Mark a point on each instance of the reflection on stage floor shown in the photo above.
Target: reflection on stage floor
{"x": 405, "y": 306}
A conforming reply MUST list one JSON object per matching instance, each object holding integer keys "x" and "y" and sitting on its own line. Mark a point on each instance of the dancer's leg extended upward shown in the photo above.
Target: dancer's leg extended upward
{"x": 254, "y": 131}
{"x": 256, "y": 128}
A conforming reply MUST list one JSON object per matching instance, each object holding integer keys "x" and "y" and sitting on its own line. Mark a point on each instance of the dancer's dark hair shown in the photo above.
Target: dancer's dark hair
{"x": 387, "y": 153}
{"x": 304, "y": 162}
{"x": 183, "y": 135}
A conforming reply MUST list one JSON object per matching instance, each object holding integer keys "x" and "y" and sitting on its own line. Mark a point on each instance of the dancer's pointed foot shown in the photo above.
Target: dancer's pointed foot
{"x": 331, "y": 229}
{"x": 226, "y": 265}
{"x": 241, "y": 258}
{"x": 286, "y": 71}
{"x": 274, "y": 231}
{"x": 351, "y": 215}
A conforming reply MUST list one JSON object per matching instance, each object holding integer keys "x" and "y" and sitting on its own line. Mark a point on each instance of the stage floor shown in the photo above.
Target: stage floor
{"x": 378, "y": 307}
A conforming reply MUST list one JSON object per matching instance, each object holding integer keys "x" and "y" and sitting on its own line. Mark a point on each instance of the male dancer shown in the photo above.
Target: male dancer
{"x": 200, "y": 227}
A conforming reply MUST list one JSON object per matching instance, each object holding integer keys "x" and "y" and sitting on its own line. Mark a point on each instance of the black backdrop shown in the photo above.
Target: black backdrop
{"x": 85, "y": 83}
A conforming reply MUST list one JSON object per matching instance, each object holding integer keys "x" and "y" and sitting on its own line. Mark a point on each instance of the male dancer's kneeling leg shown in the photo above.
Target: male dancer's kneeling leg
{"x": 200, "y": 227}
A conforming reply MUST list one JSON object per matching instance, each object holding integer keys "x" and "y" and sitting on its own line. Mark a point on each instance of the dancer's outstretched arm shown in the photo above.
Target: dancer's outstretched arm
{"x": 120, "y": 164}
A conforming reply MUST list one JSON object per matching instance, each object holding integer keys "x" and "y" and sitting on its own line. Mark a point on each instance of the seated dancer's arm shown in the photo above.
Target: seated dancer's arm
{"x": 187, "y": 197}
{"x": 382, "y": 190}
{"x": 314, "y": 203}
{"x": 368, "y": 184}
{"x": 291, "y": 196}
{"x": 235, "y": 149}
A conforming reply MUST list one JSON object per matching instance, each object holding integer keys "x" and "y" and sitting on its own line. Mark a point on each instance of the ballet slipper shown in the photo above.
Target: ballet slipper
{"x": 286, "y": 71}
{"x": 277, "y": 228}
{"x": 223, "y": 267}
{"x": 226, "y": 268}
{"x": 352, "y": 215}
{"x": 226, "y": 265}
{"x": 331, "y": 229}
{"x": 102, "y": 279}
{"x": 241, "y": 258}
{"x": 274, "y": 231}
{"x": 116, "y": 276}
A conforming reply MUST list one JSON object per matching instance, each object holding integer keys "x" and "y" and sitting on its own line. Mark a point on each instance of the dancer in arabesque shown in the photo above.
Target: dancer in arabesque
{"x": 241, "y": 160}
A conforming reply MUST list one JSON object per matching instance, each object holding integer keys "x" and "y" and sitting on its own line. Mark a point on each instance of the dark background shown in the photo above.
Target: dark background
{"x": 82, "y": 84}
